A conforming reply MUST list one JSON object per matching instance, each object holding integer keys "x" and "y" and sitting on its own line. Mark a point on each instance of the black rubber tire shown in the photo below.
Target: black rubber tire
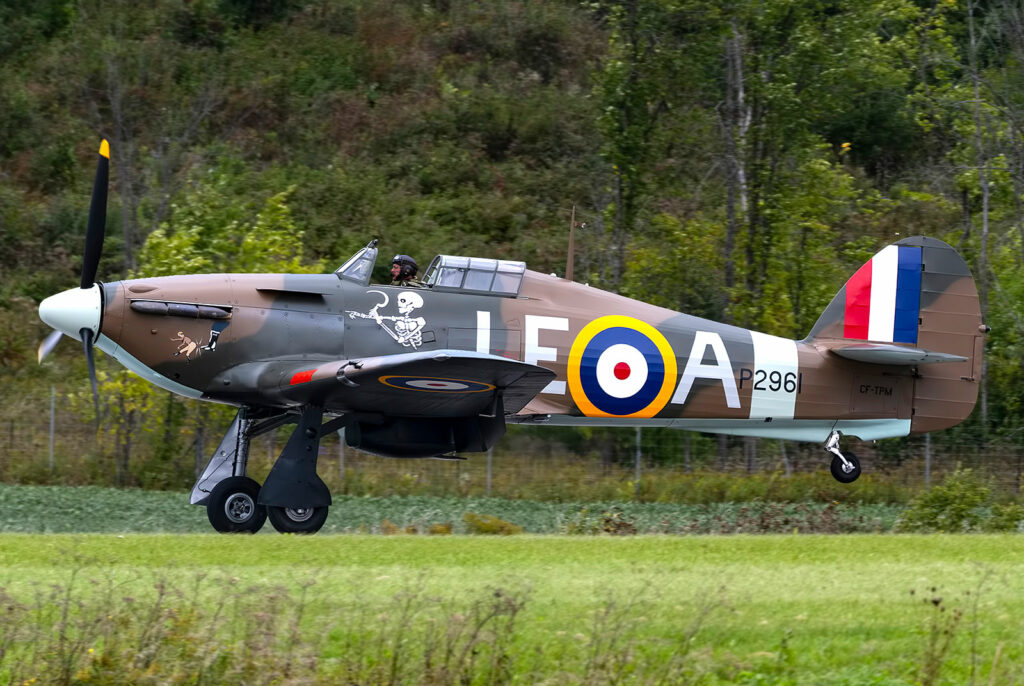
{"x": 840, "y": 474}
{"x": 233, "y": 506}
{"x": 289, "y": 520}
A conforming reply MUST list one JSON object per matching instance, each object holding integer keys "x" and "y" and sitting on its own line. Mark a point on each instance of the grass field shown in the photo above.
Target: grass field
{"x": 793, "y": 609}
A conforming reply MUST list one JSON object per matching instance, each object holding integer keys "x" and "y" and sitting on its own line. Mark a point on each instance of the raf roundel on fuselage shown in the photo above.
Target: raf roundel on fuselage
{"x": 621, "y": 367}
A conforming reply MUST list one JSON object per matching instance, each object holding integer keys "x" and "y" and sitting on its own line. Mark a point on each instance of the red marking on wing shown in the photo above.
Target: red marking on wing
{"x": 858, "y": 304}
{"x": 302, "y": 377}
{"x": 621, "y": 370}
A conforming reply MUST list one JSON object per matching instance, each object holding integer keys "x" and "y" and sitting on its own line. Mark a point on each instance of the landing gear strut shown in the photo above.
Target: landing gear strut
{"x": 845, "y": 467}
{"x": 293, "y": 496}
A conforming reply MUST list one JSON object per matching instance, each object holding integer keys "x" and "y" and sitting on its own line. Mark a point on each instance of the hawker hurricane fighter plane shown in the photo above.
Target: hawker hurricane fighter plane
{"x": 443, "y": 369}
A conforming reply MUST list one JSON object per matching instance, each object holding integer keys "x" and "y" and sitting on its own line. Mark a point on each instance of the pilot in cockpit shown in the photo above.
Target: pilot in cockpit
{"x": 403, "y": 272}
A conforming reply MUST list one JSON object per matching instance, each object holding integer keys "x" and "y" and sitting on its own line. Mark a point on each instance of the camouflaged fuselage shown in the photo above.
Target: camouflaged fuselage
{"x": 285, "y": 341}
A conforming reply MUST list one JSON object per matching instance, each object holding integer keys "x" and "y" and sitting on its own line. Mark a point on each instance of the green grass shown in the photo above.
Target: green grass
{"x": 733, "y": 609}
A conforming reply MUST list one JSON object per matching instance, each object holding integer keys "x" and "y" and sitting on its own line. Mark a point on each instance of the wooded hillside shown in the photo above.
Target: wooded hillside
{"x": 733, "y": 160}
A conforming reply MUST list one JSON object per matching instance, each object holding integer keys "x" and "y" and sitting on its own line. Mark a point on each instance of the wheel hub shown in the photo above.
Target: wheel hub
{"x": 298, "y": 514}
{"x": 239, "y": 508}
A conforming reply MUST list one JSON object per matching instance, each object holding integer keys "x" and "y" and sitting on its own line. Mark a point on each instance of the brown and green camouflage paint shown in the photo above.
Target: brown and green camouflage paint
{"x": 287, "y": 340}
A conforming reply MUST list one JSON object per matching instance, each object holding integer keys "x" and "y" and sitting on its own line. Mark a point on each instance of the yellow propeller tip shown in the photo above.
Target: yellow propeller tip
{"x": 105, "y": 148}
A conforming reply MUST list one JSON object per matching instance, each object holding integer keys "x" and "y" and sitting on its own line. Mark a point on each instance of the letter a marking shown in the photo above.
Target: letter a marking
{"x": 721, "y": 369}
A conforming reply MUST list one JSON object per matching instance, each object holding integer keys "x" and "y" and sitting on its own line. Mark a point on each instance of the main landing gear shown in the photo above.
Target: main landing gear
{"x": 293, "y": 497}
{"x": 845, "y": 467}
{"x": 232, "y": 506}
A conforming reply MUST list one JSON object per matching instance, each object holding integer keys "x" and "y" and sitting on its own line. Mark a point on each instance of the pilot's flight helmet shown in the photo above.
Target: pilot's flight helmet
{"x": 407, "y": 264}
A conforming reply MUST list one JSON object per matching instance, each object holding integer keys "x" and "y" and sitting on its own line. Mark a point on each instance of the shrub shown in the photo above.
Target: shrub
{"x": 954, "y": 506}
{"x": 489, "y": 525}
{"x": 614, "y": 522}
{"x": 587, "y": 522}
{"x": 582, "y": 523}
{"x": 1005, "y": 517}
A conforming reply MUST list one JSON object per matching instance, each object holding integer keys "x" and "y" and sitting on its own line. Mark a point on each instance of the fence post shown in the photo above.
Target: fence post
{"x": 341, "y": 456}
{"x": 927, "y": 460}
{"x": 490, "y": 455}
{"x": 53, "y": 422}
{"x": 636, "y": 476}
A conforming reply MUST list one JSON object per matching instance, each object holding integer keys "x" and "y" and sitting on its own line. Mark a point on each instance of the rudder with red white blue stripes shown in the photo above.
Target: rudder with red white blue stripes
{"x": 883, "y": 298}
{"x": 917, "y": 293}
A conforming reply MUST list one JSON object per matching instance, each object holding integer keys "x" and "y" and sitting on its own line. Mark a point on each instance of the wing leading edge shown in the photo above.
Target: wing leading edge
{"x": 438, "y": 383}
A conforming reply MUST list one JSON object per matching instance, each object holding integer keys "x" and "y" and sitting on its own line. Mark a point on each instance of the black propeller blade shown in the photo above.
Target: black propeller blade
{"x": 80, "y": 310}
{"x": 93, "y": 250}
{"x": 87, "y": 344}
{"x": 97, "y": 218}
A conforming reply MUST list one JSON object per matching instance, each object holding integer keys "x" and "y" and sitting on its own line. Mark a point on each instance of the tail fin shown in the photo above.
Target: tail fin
{"x": 913, "y": 303}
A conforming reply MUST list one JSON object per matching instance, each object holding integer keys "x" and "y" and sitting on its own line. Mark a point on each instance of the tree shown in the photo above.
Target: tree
{"x": 652, "y": 65}
{"x": 148, "y": 95}
{"x": 214, "y": 230}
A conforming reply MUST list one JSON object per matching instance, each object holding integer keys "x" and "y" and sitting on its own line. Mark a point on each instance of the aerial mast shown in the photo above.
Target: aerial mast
{"x": 570, "y": 257}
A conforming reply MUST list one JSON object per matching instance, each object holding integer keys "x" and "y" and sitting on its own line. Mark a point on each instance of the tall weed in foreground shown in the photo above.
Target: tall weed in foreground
{"x": 91, "y": 632}
{"x": 103, "y": 627}
{"x": 213, "y": 631}
{"x": 427, "y": 640}
{"x": 945, "y": 621}
{"x": 612, "y": 648}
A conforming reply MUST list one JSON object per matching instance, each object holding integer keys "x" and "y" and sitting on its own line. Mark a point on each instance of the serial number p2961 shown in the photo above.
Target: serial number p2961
{"x": 775, "y": 380}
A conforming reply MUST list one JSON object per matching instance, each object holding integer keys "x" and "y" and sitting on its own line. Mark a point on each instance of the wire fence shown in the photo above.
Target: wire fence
{"x": 51, "y": 443}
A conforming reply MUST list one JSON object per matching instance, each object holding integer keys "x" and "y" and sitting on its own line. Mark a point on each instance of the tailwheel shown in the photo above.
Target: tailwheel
{"x": 297, "y": 520}
{"x": 845, "y": 469}
{"x": 233, "y": 508}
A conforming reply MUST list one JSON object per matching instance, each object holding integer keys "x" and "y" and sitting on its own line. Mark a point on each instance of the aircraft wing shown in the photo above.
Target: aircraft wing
{"x": 437, "y": 383}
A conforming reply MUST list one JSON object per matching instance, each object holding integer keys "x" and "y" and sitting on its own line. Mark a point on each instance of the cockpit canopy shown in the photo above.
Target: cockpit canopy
{"x": 359, "y": 267}
{"x": 447, "y": 272}
{"x": 475, "y": 275}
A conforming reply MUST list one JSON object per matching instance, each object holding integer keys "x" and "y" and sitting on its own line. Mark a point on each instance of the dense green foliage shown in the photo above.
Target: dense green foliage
{"x": 962, "y": 502}
{"x": 731, "y": 160}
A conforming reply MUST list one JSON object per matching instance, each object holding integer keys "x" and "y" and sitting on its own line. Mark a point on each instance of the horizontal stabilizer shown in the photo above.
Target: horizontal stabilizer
{"x": 883, "y": 353}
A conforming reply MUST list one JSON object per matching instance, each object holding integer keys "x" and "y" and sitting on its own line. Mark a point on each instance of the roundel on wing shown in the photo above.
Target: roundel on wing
{"x": 435, "y": 384}
{"x": 621, "y": 367}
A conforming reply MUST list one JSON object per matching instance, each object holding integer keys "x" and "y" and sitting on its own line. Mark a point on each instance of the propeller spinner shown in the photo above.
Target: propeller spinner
{"x": 77, "y": 312}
